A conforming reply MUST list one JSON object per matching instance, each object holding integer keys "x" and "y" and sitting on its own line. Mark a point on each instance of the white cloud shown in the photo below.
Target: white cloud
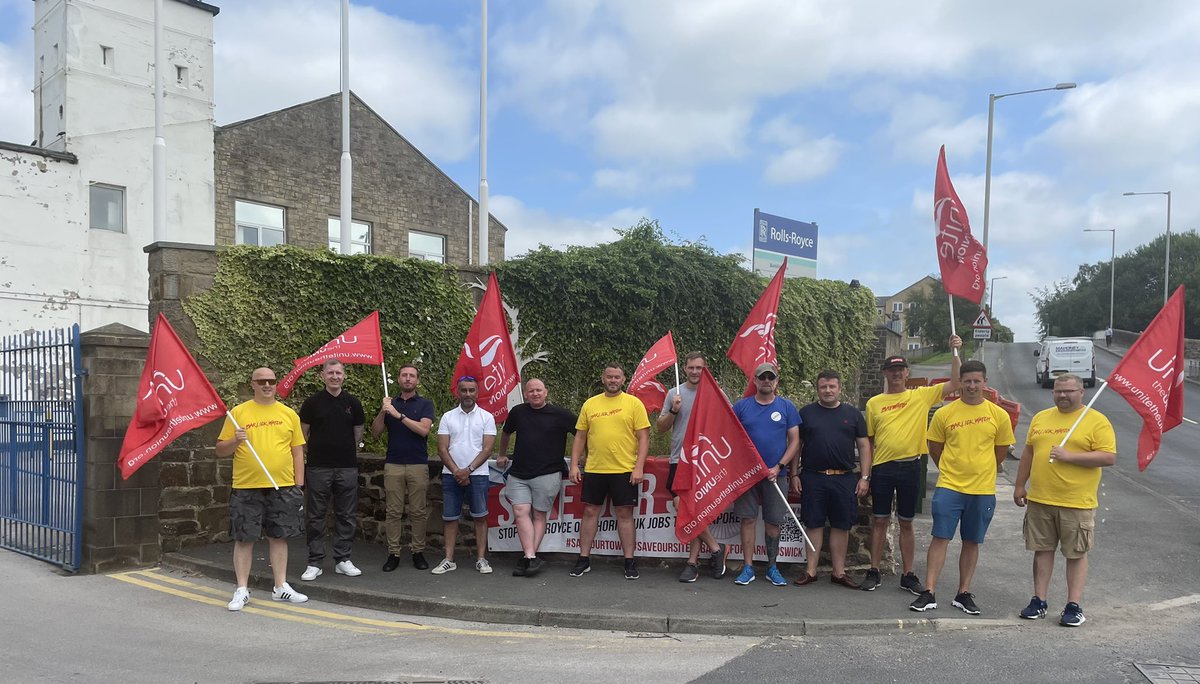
{"x": 529, "y": 227}
{"x": 629, "y": 182}
{"x": 801, "y": 158}
{"x": 921, "y": 123}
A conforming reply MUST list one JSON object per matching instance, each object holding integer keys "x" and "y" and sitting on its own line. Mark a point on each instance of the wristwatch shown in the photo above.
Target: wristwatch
{"x": 865, "y": 477}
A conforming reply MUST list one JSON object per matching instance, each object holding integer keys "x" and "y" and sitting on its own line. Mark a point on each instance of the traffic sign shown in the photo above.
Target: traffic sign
{"x": 983, "y": 333}
{"x": 982, "y": 321}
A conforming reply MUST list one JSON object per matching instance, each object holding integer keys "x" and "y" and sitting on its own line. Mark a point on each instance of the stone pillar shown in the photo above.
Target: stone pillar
{"x": 177, "y": 271}
{"x": 120, "y": 517}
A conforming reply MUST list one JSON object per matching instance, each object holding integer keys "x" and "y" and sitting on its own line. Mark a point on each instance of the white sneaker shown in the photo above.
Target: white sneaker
{"x": 285, "y": 592}
{"x": 444, "y": 567}
{"x": 483, "y": 566}
{"x": 311, "y": 573}
{"x": 347, "y": 568}
{"x": 240, "y": 598}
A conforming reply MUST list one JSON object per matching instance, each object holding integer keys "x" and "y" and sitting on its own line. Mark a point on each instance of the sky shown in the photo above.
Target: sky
{"x": 696, "y": 112}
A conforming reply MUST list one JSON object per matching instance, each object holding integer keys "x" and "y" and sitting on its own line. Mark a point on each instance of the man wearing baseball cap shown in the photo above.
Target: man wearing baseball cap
{"x": 896, "y": 422}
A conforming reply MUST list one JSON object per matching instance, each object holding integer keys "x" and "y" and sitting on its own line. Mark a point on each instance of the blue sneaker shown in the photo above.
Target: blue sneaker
{"x": 1035, "y": 610}
{"x": 1072, "y": 616}
{"x": 776, "y": 577}
{"x": 746, "y": 576}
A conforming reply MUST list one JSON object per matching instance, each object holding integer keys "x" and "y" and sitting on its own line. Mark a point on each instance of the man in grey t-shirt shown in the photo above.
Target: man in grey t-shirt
{"x": 677, "y": 409}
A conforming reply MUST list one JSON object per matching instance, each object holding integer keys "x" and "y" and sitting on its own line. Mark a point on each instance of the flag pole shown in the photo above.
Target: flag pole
{"x": 792, "y": 513}
{"x": 677, "y": 374}
{"x": 383, "y": 370}
{"x": 1103, "y": 385}
{"x": 952, "y": 331}
{"x": 229, "y": 414}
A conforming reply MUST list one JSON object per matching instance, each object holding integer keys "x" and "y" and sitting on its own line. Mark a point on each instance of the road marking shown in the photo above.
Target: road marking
{"x": 1175, "y": 602}
{"x": 305, "y": 615}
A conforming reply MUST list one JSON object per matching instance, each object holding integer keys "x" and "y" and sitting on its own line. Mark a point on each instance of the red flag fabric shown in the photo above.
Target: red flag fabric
{"x": 755, "y": 342}
{"x": 362, "y": 343}
{"x": 488, "y": 355}
{"x": 643, "y": 384}
{"x": 962, "y": 259}
{"x": 1150, "y": 377}
{"x": 174, "y": 396}
{"x": 718, "y": 463}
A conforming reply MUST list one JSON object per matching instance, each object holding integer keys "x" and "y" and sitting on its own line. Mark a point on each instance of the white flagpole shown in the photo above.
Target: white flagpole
{"x": 160, "y": 142}
{"x": 1103, "y": 385}
{"x": 262, "y": 465}
{"x": 677, "y": 374}
{"x": 792, "y": 513}
{"x": 484, "y": 224}
{"x": 383, "y": 370}
{"x": 347, "y": 218}
{"x": 952, "y": 331}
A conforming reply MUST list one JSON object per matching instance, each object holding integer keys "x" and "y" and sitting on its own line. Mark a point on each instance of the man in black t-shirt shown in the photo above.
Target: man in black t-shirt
{"x": 825, "y": 478}
{"x": 332, "y": 421}
{"x": 535, "y": 478}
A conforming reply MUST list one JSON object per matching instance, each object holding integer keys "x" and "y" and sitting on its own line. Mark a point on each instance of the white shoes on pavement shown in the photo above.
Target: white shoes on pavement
{"x": 311, "y": 573}
{"x": 483, "y": 566}
{"x": 240, "y": 598}
{"x": 346, "y": 568}
{"x": 444, "y": 567}
{"x": 285, "y": 592}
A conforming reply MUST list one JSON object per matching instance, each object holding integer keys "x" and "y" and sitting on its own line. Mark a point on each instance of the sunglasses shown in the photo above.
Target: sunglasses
{"x": 467, "y": 378}
{"x": 767, "y": 376}
{"x": 264, "y": 381}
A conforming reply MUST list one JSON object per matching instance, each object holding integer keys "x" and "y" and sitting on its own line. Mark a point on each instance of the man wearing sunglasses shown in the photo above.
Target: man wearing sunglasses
{"x": 256, "y": 507}
{"x": 773, "y": 424}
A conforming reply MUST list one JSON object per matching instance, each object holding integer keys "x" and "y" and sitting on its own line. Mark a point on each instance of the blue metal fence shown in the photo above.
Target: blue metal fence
{"x": 41, "y": 446}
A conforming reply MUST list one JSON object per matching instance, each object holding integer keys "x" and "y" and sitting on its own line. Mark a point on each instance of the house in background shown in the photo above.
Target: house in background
{"x": 893, "y": 312}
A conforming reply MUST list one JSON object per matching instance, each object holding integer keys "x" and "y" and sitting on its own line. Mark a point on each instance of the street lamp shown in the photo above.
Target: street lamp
{"x": 992, "y": 292}
{"x": 987, "y": 174}
{"x": 1112, "y": 289}
{"x": 1167, "y": 260}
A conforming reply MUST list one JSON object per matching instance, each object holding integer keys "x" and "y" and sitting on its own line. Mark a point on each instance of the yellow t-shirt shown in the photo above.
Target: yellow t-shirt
{"x": 273, "y": 430}
{"x": 1066, "y": 484}
{"x": 612, "y": 424}
{"x": 897, "y": 422}
{"x": 970, "y": 435}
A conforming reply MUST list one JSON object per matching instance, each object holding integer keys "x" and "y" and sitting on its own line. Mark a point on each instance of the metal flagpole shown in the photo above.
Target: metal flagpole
{"x": 1103, "y": 385}
{"x": 347, "y": 217}
{"x": 792, "y": 513}
{"x": 484, "y": 224}
{"x": 383, "y": 370}
{"x": 952, "y": 331}
{"x": 229, "y": 414}
{"x": 160, "y": 143}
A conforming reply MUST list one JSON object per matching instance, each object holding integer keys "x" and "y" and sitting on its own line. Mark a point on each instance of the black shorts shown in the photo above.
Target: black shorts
{"x": 828, "y": 498}
{"x": 671, "y": 479}
{"x": 270, "y": 512}
{"x": 598, "y": 487}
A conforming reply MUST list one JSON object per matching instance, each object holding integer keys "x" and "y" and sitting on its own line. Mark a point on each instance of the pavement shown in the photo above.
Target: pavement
{"x": 658, "y": 602}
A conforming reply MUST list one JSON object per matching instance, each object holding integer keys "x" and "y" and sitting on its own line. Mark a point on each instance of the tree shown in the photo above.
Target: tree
{"x": 929, "y": 317}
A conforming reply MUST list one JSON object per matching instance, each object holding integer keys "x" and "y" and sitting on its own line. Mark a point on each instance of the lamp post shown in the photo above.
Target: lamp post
{"x": 992, "y": 292}
{"x": 1167, "y": 259}
{"x": 987, "y": 174}
{"x": 1112, "y": 289}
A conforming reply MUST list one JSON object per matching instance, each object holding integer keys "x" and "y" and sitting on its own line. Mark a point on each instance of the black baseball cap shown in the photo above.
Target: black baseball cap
{"x": 895, "y": 362}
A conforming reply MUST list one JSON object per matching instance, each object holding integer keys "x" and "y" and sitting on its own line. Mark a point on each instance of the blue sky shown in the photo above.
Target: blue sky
{"x": 694, "y": 112}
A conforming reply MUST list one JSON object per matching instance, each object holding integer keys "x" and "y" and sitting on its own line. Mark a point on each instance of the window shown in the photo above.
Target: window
{"x": 360, "y": 236}
{"x": 897, "y": 307}
{"x": 912, "y": 346}
{"x": 106, "y": 56}
{"x": 106, "y": 207}
{"x": 181, "y": 76}
{"x": 912, "y": 305}
{"x": 427, "y": 246}
{"x": 258, "y": 224}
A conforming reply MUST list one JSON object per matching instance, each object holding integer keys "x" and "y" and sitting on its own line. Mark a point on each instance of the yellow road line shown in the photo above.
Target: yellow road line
{"x": 326, "y": 617}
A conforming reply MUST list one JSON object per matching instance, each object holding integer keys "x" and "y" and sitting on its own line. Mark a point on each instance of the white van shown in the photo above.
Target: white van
{"x": 1056, "y": 356}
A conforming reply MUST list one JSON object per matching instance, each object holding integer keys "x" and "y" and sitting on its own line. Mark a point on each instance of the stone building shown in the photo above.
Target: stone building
{"x": 893, "y": 311}
{"x": 277, "y": 182}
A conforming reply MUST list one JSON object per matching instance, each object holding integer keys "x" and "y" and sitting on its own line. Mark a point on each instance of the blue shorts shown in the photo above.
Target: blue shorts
{"x": 828, "y": 497}
{"x": 453, "y": 494}
{"x": 899, "y": 478}
{"x": 974, "y": 511}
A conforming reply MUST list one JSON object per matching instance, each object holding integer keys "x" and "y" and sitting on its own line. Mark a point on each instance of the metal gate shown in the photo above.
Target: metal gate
{"x": 41, "y": 446}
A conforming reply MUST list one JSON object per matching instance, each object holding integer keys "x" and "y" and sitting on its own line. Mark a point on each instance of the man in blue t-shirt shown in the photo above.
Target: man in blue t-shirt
{"x": 824, "y": 474}
{"x": 408, "y": 419}
{"x": 774, "y": 426}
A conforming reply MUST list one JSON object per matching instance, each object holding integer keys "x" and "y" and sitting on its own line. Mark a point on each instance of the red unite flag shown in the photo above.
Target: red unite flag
{"x": 174, "y": 396}
{"x": 488, "y": 356}
{"x": 755, "y": 342}
{"x": 362, "y": 343}
{"x": 961, "y": 257}
{"x": 718, "y": 463}
{"x": 643, "y": 384}
{"x": 1150, "y": 377}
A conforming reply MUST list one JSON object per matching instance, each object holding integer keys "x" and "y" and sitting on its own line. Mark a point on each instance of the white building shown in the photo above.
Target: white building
{"x": 76, "y": 207}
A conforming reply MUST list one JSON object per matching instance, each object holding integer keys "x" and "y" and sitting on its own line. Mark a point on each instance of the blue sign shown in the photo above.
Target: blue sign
{"x": 776, "y": 237}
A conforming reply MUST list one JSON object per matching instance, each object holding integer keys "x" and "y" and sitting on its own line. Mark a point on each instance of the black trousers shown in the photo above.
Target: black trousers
{"x": 336, "y": 488}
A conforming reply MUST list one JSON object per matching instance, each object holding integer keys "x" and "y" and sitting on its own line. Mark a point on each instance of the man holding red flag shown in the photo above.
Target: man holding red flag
{"x": 265, "y": 500}
{"x": 961, "y": 258}
{"x": 1062, "y": 480}
{"x": 362, "y": 343}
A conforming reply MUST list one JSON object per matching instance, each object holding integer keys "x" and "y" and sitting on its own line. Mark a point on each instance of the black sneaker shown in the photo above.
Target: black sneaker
{"x": 419, "y": 562}
{"x": 392, "y": 562}
{"x": 522, "y": 567}
{"x": 871, "y": 581}
{"x": 535, "y": 566}
{"x": 689, "y": 574}
{"x": 631, "y": 571}
{"x": 718, "y": 561}
{"x": 1072, "y": 616}
{"x": 584, "y": 564}
{"x": 1035, "y": 610}
{"x": 924, "y": 602}
{"x": 911, "y": 584}
{"x": 966, "y": 603}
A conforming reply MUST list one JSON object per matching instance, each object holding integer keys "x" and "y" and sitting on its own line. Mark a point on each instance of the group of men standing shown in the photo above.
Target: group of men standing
{"x": 833, "y": 453}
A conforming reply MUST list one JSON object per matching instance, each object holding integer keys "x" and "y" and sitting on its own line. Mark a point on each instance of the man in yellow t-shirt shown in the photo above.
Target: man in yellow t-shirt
{"x": 1061, "y": 495}
{"x": 968, "y": 440}
{"x": 614, "y": 431}
{"x": 256, "y": 506}
{"x": 896, "y": 422}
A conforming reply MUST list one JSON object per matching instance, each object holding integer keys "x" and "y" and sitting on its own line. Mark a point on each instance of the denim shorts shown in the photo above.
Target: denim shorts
{"x": 973, "y": 511}
{"x": 828, "y": 497}
{"x": 901, "y": 479}
{"x": 453, "y": 495}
